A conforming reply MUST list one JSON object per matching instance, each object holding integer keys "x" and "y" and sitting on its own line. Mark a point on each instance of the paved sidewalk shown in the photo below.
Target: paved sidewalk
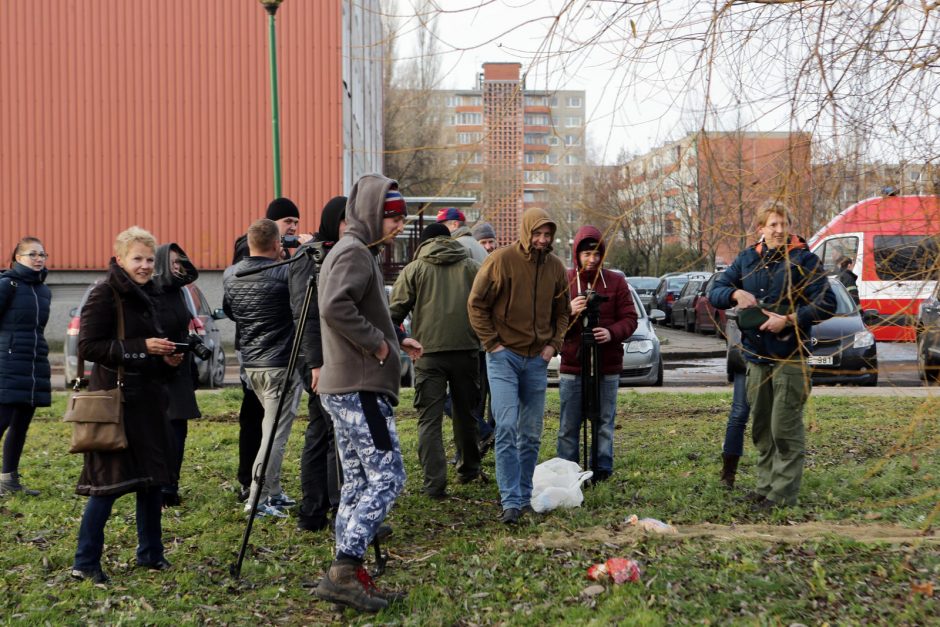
{"x": 679, "y": 345}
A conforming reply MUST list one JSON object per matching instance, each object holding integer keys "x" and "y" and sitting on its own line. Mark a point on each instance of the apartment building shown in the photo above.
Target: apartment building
{"x": 516, "y": 148}
{"x": 702, "y": 191}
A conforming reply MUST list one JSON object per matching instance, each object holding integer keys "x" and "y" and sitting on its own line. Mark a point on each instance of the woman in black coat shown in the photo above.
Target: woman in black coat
{"x": 173, "y": 271}
{"x": 24, "y": 355}
{"x": 148, "y": 360}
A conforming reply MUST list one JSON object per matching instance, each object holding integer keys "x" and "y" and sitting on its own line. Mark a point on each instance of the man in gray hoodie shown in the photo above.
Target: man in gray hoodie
{"x": 359, "y": 385}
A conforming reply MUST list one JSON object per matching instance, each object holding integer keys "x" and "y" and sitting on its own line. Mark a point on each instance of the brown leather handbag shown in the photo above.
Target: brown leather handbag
{"x": 97, "y": 416}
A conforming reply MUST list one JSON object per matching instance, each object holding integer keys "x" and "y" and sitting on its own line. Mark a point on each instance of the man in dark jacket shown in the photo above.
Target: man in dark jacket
{"x": 617, "y": 322}
{"x": 260, "y": 304}
{"x": 359, "y": 385}
{"x": 519, "y": 309}
{"x": 780, "y": 291}
{"x": 434, "y": 289}
{"x": 848, "y": 278}
{"x": 319, "y": 480}
{"x": 286, "y": 215}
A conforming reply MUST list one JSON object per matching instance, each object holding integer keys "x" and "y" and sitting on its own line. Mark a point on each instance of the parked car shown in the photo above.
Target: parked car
{"x": 928, "y": 338}
{"x": 683, "y": 309}
{"x": 666, "y": 293}
{"x": 708, "y": 319}
{"x": 842, "y": 350}
{"x": 644, "y": 287}
{"x": 642, "y": 358}
{"x": 209, "y": 373}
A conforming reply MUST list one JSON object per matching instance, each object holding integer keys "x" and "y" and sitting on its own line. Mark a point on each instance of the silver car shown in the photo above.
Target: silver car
{"x": 642, "y": 357}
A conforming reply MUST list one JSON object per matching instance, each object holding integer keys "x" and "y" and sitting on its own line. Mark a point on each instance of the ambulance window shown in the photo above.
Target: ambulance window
{"x": 905, "y": 257}
{"x": 836, "y": 249}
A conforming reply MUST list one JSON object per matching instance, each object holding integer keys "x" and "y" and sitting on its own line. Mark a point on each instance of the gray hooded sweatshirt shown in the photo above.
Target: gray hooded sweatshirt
{"x": 354, "y": 313}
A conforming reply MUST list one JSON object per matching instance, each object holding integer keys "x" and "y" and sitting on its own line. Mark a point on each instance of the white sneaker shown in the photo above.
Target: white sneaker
{"x": 266, "y": 509}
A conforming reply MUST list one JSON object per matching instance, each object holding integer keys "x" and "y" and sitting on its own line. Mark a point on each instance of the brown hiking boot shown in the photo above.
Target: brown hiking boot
{"x": 343, "y": 584}
{"x": 389, "y": 595}
{"x": 729, "y": 468}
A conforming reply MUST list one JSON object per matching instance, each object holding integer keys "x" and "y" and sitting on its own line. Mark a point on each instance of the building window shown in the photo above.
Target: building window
{"x": 573, "y": 101}
{"x": 556, "y": 121}
{"x": 469, "y": 138}
{"x": 572, "y": 140}
{"x": 450, "y": 120}
{"x": 573, "y": 121}
{"x": 471, "y": 101}
{"x": 536, "y": 101}
{"x": 572, "y": 160}
{"x": 535, "y": 138}
{"x": 475, "y": 157}
{"x": 554, "y": 140}
{"x": 474, "y": 177}
{"x": 450, "y": 101}
{"x": 469, "y": 119}
{"x": 534, "y": 157}
{"x": 551, "y": 159}
{"x": 536, "y": 119}
{"x": 534, "y": 176}
{"x": 528, "y": 196}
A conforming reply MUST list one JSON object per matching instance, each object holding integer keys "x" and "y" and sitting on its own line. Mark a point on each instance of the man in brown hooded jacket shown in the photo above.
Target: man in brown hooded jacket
{"x": 519, "y": 309}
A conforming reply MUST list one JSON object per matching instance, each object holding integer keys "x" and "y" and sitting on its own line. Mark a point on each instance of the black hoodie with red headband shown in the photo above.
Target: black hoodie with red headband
{"x": 617, "y": 313}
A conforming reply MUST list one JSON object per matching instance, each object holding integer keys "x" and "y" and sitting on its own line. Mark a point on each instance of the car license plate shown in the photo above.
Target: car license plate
{"x": 819, "y": 360}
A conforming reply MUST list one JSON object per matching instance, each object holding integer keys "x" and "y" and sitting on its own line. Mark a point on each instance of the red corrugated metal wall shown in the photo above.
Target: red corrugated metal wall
{"x": 123, "y": 112}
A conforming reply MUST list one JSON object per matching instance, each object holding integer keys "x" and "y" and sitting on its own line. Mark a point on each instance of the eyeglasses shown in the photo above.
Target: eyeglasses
{"x": 35, "y": 255}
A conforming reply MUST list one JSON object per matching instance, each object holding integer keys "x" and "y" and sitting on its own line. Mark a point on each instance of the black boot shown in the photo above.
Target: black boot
{"x": 729, "y": 468}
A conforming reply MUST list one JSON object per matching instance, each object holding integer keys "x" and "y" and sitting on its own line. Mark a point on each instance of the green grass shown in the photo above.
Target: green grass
{"x": 872, "y": 470}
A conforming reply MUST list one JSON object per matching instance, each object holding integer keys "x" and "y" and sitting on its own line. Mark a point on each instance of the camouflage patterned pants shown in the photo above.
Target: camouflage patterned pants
{"x": 373, "y": 472}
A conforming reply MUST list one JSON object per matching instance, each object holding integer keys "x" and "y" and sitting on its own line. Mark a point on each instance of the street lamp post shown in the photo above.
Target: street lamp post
{"x": 271, "y": 6}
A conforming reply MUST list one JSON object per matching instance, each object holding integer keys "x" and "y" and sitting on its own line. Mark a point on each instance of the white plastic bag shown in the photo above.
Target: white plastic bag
{"x": 557, "y": 483}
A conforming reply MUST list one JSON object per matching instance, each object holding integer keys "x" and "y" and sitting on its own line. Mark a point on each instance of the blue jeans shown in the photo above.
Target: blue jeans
{"x": 737, "y": 419}
{"x": 97, "y": 512}
{"x": 569, "y": 427}
{"x": 517, "y": 387}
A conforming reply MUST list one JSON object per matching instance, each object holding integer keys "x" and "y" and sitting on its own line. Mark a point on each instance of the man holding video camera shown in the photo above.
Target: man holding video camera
{"x": 604, "y": 316}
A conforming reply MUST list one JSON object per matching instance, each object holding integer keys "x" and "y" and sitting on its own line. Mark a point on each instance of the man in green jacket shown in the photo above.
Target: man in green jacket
{"x": 519, "y": 309}
{"x": 434, "y": 288}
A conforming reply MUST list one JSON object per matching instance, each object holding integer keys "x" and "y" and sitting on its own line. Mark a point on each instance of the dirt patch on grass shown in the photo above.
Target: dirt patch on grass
{"x": 791, "y": 534}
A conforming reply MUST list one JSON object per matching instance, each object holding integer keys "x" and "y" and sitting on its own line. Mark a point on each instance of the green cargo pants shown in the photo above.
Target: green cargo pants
{"x": 434, "y": 372}
{"x": 777, "y": 393}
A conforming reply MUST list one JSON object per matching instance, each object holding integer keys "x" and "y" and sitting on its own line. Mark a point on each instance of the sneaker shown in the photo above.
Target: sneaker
{"x": 527, "y": 510}
{"x": 281, "y": 501}
{"x": 243, "y": 494}
{"x": 348, "y": 583}
{"x": 95, "y": 576}
{"x": 510, "y": 516}
{"x": 265, "y": 509}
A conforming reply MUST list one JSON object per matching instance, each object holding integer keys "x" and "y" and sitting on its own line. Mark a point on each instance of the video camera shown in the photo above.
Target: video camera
{"x": 290, "y": 241}
{"x": 592, "y": 313}
{"x": 193, "y": 344}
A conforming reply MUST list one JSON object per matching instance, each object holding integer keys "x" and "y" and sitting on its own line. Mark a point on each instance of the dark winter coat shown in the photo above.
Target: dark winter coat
{"x": 617, "y": 313}
{"x": 174, "y": 317}
{"x": 24, "y": 354}
{"x": 784, "y": 280}
{"x": 260, "y": 305}
{"x": 147, "y": 461}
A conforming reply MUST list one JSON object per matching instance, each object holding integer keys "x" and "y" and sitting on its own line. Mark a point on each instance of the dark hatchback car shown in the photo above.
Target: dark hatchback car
{"x": 683, "y": 310}
{"x": 842, "y": 350}
{"x": 209, "y": 373}
{"x": 928, "y": 338}
{"x": 667, "y": 292}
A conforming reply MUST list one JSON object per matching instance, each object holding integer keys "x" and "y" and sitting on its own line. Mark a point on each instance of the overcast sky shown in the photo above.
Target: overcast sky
{"x": 777, "y": 67}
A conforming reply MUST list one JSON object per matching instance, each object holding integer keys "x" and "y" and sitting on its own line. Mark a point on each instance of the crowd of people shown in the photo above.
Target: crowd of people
{"x": 485, "y": 321}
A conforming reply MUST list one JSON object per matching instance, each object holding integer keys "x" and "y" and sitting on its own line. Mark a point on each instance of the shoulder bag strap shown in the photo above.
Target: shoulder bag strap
{"x": 80, "y": 366}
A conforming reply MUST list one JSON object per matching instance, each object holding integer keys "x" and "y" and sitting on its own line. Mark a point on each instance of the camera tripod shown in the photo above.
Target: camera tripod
{"x": 590, "y": 380}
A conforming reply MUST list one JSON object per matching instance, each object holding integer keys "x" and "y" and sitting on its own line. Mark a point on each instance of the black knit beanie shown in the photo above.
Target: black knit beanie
{"x": 282, "y": 208}
{"x": 435, "y": 229}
